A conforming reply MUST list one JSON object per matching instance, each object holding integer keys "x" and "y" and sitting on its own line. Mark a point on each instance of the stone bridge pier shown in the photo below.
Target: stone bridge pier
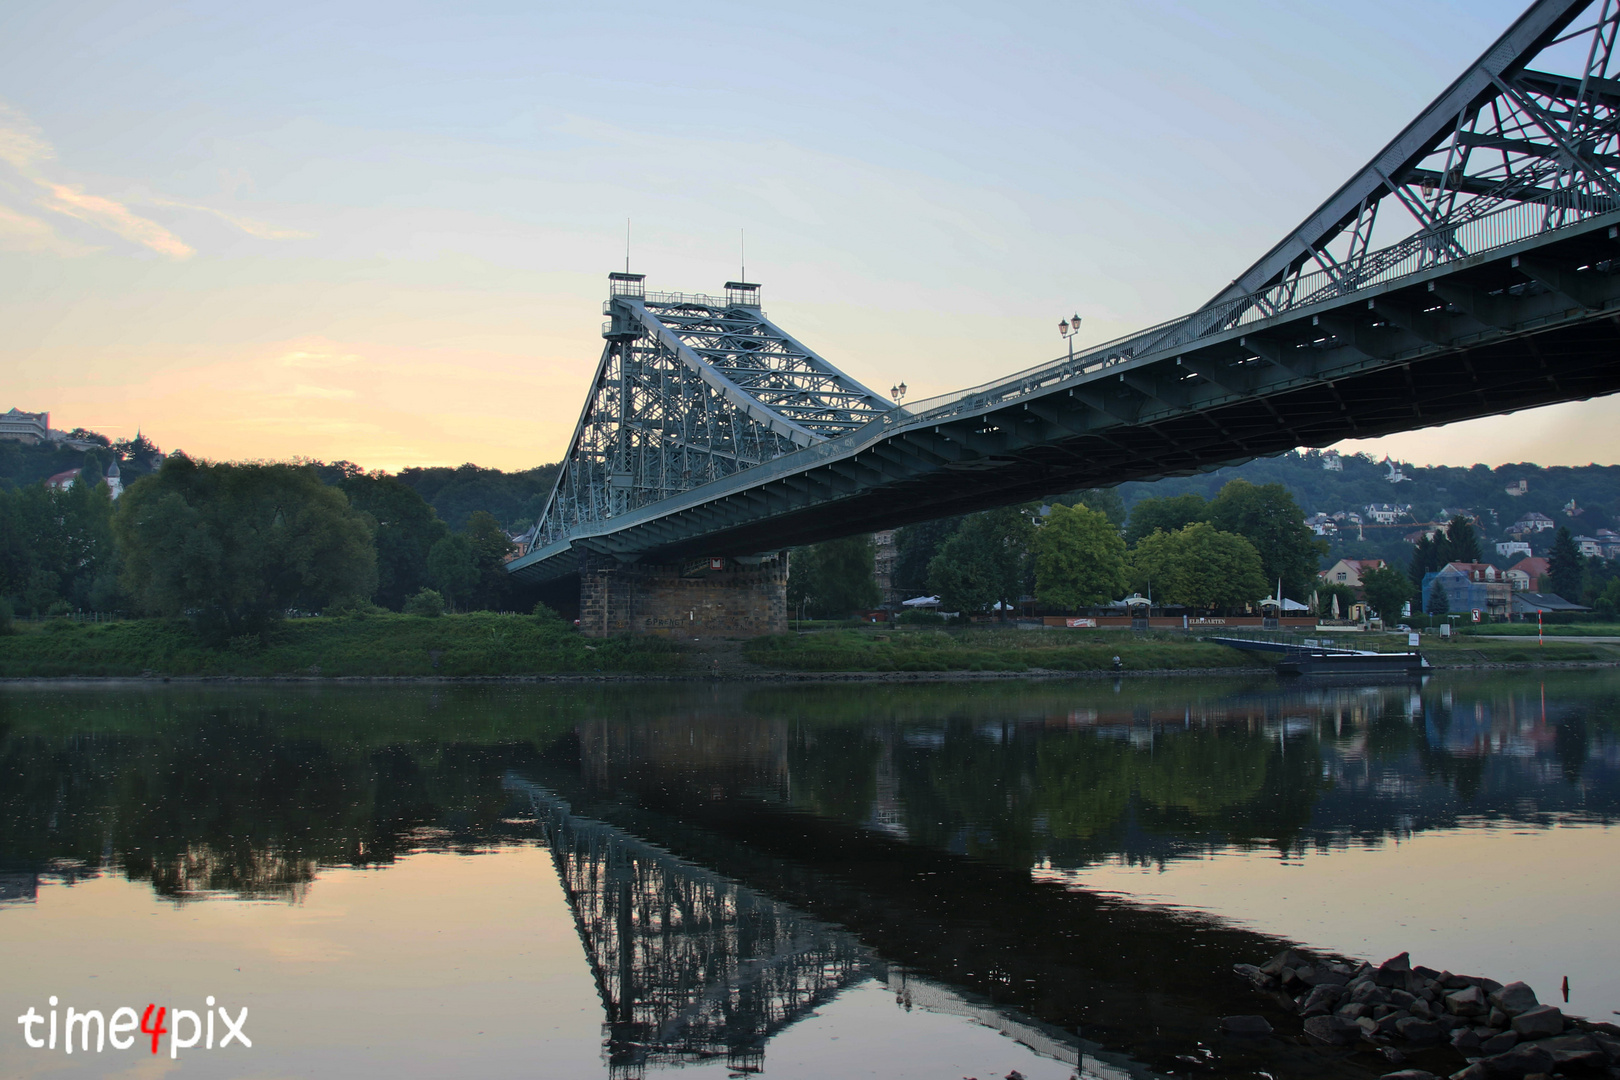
{"x": 712, "y": 597}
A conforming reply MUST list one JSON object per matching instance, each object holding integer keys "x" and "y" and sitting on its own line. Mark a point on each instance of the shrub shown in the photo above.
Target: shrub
{"x": 355, "y": 606}
{"x": 5, "y": 616}
{"x": 58, "y": 608}
{"x": 426, "y": 603}
{"x": 920, "y": 618}
{"x": 546, "y": 616}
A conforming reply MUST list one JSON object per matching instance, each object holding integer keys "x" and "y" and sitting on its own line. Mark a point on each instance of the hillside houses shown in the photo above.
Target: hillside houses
{"x": 1532, "y": 523}
{"x": 1349, "y": 571}
{"x": 1470, "y": 587}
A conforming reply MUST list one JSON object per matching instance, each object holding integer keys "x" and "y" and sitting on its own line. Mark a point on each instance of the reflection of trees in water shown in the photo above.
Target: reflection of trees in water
{"x": 223, "y": 800}
{"x": 1019, "y": 781}
{"x": 1016, "y": 793}
{"x": 250, "y": 791}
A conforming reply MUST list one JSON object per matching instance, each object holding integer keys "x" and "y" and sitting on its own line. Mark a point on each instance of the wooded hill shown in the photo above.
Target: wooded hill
{"x": 1479, "y": 489}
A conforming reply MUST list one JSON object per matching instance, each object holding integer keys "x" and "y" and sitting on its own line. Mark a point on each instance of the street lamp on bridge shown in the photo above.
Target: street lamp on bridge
{"x": 1069, "y": 328}
{"x": 898, "y": 393}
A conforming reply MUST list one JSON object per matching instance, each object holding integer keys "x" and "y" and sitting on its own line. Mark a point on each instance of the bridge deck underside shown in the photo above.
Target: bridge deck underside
{"x": 1530, "y": 325}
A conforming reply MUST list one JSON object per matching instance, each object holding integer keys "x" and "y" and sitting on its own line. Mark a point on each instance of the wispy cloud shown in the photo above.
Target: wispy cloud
{"x": 302, "y": 358}
{"x": 19, "y": 232}
{"x": 325, "y": 392}
{"x": 23, "y": 147}
{"x": 21, "y": 143}
{"x": 258, "y": 229}
{"x": 115, "y": 217}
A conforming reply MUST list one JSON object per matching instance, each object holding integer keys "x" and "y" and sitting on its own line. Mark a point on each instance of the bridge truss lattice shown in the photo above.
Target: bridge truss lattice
{"x": 692, "y": 389}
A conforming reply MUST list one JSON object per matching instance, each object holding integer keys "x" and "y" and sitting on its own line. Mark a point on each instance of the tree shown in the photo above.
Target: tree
{"x": 1325, "y": 595}
{"x": 1564, "y": 565}
{"x": 490, "y": 546}
{"x": 1386, "y": 591}
{"x": 1425, "y": 560}
{"x": 1165, "y": 515}
{"x": 57, "y": 548}
{"x": 984, "y": 562}
{"x": 1268, "y": 517}
{"x": 835, "y": 578}
{"x": 1462, "y": 542}
{"x": 456, "y": 493}
{"x": 1106, "y": 501}
{"x": 236, "y": 545}
{"x": 1199, "y": 567}
{"x": 915, "y": 547}
{"x": 452, "y": 567}
{"x": 405, "y": 528}
{"x": 1079, "y": 558}
{"x": 425, "y": 602}
{"x": 1438, "y": 603}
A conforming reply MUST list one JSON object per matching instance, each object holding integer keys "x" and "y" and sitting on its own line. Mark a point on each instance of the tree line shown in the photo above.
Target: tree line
{"x": 1082, "y": 550}
{"x": 235, "y": 547}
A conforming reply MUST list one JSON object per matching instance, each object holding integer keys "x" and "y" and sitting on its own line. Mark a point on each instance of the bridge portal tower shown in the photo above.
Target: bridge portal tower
{"x": 690, "y": 389}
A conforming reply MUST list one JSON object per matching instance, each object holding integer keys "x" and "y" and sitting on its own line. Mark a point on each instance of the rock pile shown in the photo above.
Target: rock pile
{"x": 1501, "y": 1032}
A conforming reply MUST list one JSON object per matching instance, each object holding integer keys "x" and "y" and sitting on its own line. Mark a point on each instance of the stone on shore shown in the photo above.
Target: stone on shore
{"x": 1518, "y": 1063}
{"x": 1499, "y": 1043}
{"x": 1417, "y": 1032}
{"x": 1254, "y": 975}
{"x": 1515, "y": 998}
{"x": 1608, "y": 1044}
{"x": 1539, "y": 1023}
{"x": 1395, "y": 971}
{"x": 1288, "y": 958}
{"x": 1246, "y": 1027}
{"x": 1321, "y": 1000}
{"x": 1575, "y": 1051}
{"x": 1469, "y": 1002}
{"x": 1333, "y": 1030}
{"x": 1410, "y": 1074}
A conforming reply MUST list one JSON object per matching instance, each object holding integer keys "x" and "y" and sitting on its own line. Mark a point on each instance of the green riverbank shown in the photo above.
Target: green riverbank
{"x": 990, "y": 649}
{"x": 479, "y": 644}
{"x": 492, "y": 645}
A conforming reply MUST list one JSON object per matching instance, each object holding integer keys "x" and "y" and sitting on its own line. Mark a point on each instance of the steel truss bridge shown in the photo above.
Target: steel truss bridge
{"x": 1472, "y": 268}
{"x": 694, "y": 967}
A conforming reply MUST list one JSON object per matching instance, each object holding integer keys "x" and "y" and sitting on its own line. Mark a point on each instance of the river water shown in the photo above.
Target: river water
{"x": 938, "y": 880}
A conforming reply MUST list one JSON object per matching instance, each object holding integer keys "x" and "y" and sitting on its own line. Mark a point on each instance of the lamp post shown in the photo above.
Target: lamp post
{"x": 898, "y": 392}
{"x": 1068, "y": 328}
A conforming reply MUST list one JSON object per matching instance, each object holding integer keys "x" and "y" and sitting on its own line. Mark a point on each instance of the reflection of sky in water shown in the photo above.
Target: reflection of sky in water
{"x": 440, "y": 965}
{"x": 1508, "y": 902}
{"x": 1469, "y": 822}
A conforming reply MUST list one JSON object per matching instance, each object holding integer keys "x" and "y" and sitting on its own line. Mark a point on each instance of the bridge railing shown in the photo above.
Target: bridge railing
{"x": 701, "y": 299}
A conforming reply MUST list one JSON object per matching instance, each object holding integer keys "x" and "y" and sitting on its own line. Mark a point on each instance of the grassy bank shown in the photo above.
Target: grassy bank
{"x": 483, "y": 643}
{"x": 488, "y": 644}
{"x": 921, "y": 649}
{"x": 1550, "y": 630}
{"x": 975, "y": 649}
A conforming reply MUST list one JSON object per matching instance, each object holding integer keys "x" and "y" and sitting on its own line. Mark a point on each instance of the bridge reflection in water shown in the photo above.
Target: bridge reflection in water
{"x": 692, "y": 966}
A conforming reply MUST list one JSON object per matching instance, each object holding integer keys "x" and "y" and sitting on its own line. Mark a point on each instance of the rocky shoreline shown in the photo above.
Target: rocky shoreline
{"x": 1428, "y": 1023}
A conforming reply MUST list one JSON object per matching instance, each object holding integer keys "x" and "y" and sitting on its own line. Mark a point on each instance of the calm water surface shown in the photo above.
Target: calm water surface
{"x": 805, "y": 881}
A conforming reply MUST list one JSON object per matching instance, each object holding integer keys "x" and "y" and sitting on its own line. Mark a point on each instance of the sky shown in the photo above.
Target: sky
{"x": 380, "y": 232}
